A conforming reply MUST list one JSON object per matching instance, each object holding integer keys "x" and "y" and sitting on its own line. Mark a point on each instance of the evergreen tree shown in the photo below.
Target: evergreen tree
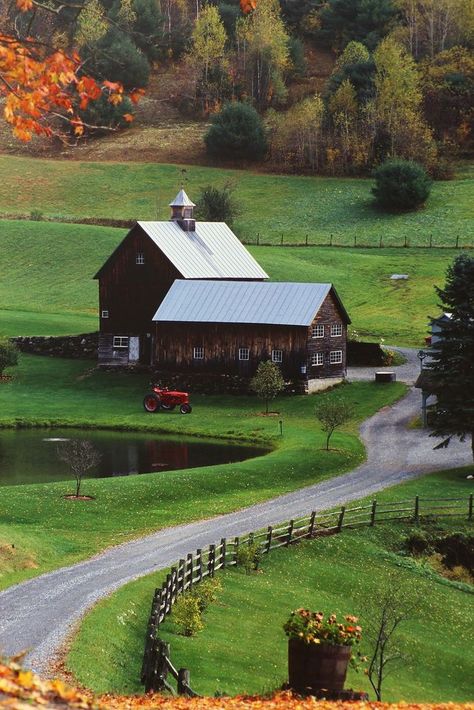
{"x": 236, "y": 132}
{"x": 401, "y": 185}
{"x": 366, "y": 21}
{"x": 117, "y": 58}
{"x": 452, "y": 365}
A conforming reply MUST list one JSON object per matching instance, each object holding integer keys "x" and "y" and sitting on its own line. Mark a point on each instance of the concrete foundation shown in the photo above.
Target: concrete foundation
{"x": 322, "y": 383}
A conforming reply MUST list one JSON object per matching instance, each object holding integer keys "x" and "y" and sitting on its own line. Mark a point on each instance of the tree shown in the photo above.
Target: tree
{"x": 267, "y": 382}
{"x": 116, "y": 57}
{"x": 209, "y": 38}
{"x": 401, "y": 185}
{"x": 333, "y": 412}
{"x": 80, "y": 455}
{"x": 45, "y": 87}
{"x": 353, "y": 53}
{"x": 8, "y": 355}
{"x": 236, "y": 132}
{"x": 395, "y": 604}
{"x": 216, "y": 204}
{"x": 366, "y": 21}
{"x": 451, "y": 366}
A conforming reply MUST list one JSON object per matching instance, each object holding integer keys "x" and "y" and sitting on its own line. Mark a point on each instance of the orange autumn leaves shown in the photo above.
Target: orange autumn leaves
{"x": 245, "y": 5}
{"x": 44, "y": 91}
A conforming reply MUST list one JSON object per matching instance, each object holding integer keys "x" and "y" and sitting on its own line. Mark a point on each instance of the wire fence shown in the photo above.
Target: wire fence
{"x": 333, "y": 240}
{"x": 207, "y": 561}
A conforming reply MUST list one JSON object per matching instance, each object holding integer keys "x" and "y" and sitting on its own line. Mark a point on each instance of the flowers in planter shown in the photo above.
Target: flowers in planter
{"x": 312, "y": 627}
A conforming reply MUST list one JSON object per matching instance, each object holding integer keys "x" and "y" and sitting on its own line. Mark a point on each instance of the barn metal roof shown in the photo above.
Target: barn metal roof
{"x": 212, "y": 251}
{"x": 244, "y": 302}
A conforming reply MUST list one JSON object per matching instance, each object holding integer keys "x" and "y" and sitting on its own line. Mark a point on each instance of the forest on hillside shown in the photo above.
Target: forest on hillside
{"x": 340, "y": 85}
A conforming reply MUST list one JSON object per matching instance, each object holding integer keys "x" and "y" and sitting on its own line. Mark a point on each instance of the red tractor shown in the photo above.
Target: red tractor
{"x": 167, "y": 400}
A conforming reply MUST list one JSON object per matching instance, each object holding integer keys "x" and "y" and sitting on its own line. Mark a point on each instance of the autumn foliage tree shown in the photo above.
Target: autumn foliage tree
{"x": 44, "y": 87}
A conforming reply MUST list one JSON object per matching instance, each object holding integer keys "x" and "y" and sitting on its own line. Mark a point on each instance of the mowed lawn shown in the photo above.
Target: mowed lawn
{"x": 47, "y": 285}
{"x": 48, "y": 531}
{"x": 272, "y": 206}
{"x": 242, "y": 648}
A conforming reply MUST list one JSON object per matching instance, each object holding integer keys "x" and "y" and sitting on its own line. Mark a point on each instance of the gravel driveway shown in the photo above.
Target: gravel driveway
{"x": 37, "y": 615}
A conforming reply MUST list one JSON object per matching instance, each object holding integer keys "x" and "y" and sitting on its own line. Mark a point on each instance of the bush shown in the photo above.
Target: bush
{"x": 206, "y": 592}
{"x": 217, "y": 204}
{"x": 236, "y": 132}
{"x": 8, "y": 355}
{"x": 187, "y": 615}
{"x": 249, "y": 556}
{"x": 104, "y": 113}
{"x": 401, "y": 185}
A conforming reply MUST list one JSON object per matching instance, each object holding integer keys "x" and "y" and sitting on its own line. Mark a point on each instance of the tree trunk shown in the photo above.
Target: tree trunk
{"x": 78, "y": 486}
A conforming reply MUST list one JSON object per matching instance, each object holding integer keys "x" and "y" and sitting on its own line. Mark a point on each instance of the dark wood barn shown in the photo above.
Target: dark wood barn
{"x": 232, "y": 326}
{"x": 140, "y": 272}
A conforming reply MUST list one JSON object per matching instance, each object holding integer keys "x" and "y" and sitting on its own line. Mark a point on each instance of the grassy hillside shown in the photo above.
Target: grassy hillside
{"x": 48, "y": 531}
{"x": 272, "y": 205}
{"x": 245, "y": 651}
{"x": 49, "y": 289}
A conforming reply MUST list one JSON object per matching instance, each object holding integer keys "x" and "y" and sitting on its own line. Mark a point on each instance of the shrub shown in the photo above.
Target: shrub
{"x": 187, "y": 615}
{"x": 217, "y": 204}
{"x": 236, "y": 132}
{"x": 249, "y": 556}
{"x": 206, "y": 592}
{"x": 104, "y": 113}
{"x": 8, "y": 355}
{"x": 401, "y": 185}
{"x": 36, "y": 215}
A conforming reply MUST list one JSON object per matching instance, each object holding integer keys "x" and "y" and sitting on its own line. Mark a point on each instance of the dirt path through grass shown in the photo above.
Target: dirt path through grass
{"x": 37, "y": 615}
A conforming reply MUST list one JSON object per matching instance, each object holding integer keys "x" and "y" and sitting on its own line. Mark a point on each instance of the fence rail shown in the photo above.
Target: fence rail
{"x": 207, "y": 561}
{"x": 334, "y": 240}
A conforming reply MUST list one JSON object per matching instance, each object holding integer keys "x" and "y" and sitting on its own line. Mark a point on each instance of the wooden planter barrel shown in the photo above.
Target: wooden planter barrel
{"x": 317, "y": 666}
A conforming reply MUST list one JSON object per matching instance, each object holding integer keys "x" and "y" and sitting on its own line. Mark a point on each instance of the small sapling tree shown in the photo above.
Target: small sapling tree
{"x": 80, "y": 455}
{"x": 268, "y": 382}
{"x": 333, "y": 412}
{"x": 216, "y": 204}
{"x": 8, "y": 355}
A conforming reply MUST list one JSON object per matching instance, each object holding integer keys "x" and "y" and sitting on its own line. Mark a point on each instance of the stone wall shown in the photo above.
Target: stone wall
{"x": 71, "y": 346}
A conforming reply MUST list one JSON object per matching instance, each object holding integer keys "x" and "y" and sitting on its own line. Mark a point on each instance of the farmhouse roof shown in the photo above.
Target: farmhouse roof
{"x": 211, "y": 251}
{"x": 182, "y": 200}
{"x": 245, "y": 302}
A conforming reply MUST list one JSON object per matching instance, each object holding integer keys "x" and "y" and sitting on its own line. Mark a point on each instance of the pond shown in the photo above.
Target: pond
{"x": 31, "y": 455}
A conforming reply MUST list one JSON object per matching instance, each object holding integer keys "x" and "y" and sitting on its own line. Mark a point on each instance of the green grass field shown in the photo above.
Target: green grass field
{"x": 49, "y": 289}
{"x": 48, "y": 531}
{"x": 272, "y": 205}
{"x": 243, "y": 648}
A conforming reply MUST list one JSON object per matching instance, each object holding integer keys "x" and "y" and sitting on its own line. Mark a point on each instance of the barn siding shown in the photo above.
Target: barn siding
{"x": 328, "y": 314}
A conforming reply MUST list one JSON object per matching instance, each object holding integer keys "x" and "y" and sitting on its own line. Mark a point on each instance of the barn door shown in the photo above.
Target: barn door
{"x": 134, "y": 349}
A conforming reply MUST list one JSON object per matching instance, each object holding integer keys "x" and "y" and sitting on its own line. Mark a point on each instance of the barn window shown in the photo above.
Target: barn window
{"x": 335, "y": 357}
{"x": 277, "y": 355}
{"x": 105, "y": 314}
{"x": 244, "y": 353}
{"x": 198, "y": 353}
{"x": 120, "y": 341}
{"x": 317, "y": 359}
{"x": 336, "y": 329}
{"x": 140, "y": 258}
{"x": 317, "y": 331}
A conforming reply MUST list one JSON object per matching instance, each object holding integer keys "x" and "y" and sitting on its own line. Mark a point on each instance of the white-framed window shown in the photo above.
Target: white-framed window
{"x": 105, "y": 313}
{"x": 198, "y": 353}
{"x": 335, "y": 357}
{"x": 140, "y": 258}
{"x": 120, "y": 341}
{"x": 336, "y": 330}
{"x": 244, "y": 354}
{"x": 277, "y": 355}
{"x": 317, "y": 359}
{"x": 317, "y": 331}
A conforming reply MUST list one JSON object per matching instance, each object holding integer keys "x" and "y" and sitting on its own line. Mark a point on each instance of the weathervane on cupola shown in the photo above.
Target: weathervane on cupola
{"x": 182, "y": 211}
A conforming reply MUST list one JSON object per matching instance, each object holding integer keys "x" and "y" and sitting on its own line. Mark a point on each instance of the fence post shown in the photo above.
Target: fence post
{"x": 268, "y": 544}
{"x": 417, "y": 509}
{"x": 190, "y": 569}
{"x": 199, "y": 565}
{"x": 381, "y": 243}
{"x": 457, "y": 242}
{"x": 167, "y": 594}
{"x": 258, "y": 238}
{"x": 306, "y": 240}
{"x": 355, "y": 241}
{"x": 181, "y": 574}
{"x": 174, "y": 585}
{"x": 282, "y": 239}
{"x": 341, "y": 518}
{"x": 372, "y": 513}
{"x": 406, "y": 241}
{"x": 330, "y": 240}
{"x": 431, "y": 241}
{"x": 161, "y": 666}
{"x": 290, "y": 532}
{"x": 223, "y": 550}
{"x": 211, "y": 560}
{"x": 312, "y": 524}
{"x": 470, "y": 510}
{"x": 236, "y": 549}
{"x": 184, "y": 681}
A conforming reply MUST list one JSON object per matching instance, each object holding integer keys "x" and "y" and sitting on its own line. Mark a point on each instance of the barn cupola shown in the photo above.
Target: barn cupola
{"x": 182, "y": 212}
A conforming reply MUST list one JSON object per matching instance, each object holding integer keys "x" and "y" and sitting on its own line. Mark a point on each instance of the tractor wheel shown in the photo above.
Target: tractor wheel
{"x": 185, "y": 409}
{"x": 168, "y": 407}
{"x": 151, "y": 402}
